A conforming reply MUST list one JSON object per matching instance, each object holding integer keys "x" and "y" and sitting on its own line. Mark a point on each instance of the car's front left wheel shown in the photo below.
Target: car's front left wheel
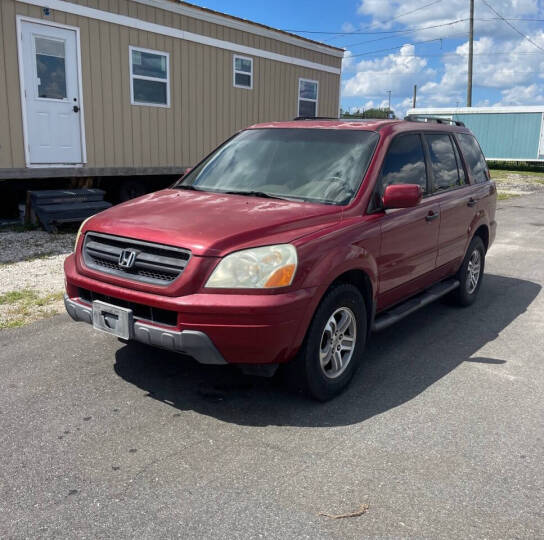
{"x": 333, "y": 345}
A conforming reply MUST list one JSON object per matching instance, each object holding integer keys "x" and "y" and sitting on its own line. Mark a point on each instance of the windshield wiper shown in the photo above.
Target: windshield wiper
{"x": 187, "y": 186}
{"x": 251, "y": 193}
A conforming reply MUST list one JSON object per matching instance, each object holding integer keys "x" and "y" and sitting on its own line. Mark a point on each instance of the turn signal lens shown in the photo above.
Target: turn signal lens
{"x": 281, "y": 277}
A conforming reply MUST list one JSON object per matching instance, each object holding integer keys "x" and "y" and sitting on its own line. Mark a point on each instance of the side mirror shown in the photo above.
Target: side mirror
{"x": 187, "y": 171}
{"x": 402, "y": 196}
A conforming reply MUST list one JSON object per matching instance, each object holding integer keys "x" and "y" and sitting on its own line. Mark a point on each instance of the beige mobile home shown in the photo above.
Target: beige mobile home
{"x": 104, "y": 88}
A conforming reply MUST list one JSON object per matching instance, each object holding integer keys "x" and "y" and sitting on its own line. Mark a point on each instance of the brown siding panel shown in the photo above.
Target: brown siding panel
{"x": 205, "y": 107}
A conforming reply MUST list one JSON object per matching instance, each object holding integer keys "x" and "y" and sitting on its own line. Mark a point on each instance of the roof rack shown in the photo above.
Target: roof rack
{"x": 315, "y": 118}
{"x": 419, "y": 118}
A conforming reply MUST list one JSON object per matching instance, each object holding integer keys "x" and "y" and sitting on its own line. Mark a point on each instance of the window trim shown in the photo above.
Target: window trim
{"x": 235, "y": 71}
{"x": 299, "y": 99}
{"x": 146, "y": 78}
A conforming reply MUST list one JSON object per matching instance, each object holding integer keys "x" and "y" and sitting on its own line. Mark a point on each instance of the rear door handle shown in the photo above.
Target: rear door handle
{"x": 432, "y": 216}
{"x": 472, "y": 202}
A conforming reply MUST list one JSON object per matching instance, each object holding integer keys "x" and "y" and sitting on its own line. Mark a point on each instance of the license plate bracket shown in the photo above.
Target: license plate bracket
{"x": 112, "y": 319}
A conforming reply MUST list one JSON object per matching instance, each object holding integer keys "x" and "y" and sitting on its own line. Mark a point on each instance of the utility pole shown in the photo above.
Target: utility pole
{"x": 414, "y": 97}
{"x": 389, "y": 106}
{"x": 470, "y": 54}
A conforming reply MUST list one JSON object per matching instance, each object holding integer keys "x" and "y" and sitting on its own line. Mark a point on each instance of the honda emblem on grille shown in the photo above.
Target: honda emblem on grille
{"x": 127, "y": 258}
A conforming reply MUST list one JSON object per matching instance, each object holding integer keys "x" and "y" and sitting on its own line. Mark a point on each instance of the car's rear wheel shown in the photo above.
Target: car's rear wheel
{"x": 471, "y": 273}
{"x": 333, "y": 345}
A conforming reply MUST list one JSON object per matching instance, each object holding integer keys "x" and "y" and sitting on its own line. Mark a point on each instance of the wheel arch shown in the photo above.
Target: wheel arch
{"x": 483, "y": 232}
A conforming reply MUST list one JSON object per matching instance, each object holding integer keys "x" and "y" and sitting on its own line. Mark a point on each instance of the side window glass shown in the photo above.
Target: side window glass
{"x": 473, "y": 157}
{"x": 443, "y": 162}
{"x": 404, "y": 163}
{"x": 462, "y": 176}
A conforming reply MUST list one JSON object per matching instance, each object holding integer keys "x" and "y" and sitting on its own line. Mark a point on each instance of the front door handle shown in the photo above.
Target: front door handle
{"x": 432, "y": 216}
{"x": 472, "y": 202}
{"x": 76, "y": 109}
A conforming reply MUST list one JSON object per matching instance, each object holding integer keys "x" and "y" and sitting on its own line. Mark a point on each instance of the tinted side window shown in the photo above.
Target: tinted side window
{"x": 462, "y": 175}
{"x": 443, "y": 162}
{"x": 473, "y": 157}
{"x": 405, "y": 163}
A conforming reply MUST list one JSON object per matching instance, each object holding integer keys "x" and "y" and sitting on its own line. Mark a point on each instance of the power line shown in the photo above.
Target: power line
{"x": 451, "y": 23}
{"x": 414, "y": 29}
{"x": 513, "y": 27}
{"x": 383, "y": 22}
{"x": 413, "y": 11}
{"x": 394, "y": 48}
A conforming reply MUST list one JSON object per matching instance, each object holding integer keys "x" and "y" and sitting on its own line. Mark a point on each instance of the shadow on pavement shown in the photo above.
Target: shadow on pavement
{"x": 399, "y": 364}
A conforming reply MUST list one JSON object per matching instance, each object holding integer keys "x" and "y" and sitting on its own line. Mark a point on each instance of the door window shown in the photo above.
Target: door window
{"x": 473, "y": 157}
{"x": 50, "y": 67}
{"x": 443, "y": 162}
{"x": 405, "y": 163}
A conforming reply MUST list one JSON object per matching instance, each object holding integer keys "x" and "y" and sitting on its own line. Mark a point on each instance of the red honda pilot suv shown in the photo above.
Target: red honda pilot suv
{"x": 289, "y": 244}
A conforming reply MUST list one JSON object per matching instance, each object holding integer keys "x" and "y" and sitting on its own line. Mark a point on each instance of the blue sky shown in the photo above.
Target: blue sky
{"x": 380, "y": 36}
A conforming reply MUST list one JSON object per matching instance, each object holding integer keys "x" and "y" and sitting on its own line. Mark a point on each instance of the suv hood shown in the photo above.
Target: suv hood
{"x": 212, "y": 224}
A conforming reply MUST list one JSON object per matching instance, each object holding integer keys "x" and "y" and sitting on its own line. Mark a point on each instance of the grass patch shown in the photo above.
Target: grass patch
{"x": 21, "y": 307}
{"x": 502, "y": 196}
{"x": 530, "y": 175}
{"x": 12, "y": 297}
{"x": 11, "y": 323}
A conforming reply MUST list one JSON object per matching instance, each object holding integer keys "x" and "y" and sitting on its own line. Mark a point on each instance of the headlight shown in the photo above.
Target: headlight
{"x": 79, "y": 231}
{"x": 258, "y": 268}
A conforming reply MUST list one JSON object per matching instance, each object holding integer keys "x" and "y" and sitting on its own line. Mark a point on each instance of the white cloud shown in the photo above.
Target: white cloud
{"x": 504, "y": 62}
{"x": 396, "y": 72}
{"x": 348, "y": 27}
{"x": 522, "y": 95}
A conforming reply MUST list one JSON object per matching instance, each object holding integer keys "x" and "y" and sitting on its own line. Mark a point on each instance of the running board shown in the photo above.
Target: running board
{"x": 397, "y": 313}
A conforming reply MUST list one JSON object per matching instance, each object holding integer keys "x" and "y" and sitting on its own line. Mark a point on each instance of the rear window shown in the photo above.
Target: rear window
{"x": 473, "y": 157}
{"x": 443, "y": 162}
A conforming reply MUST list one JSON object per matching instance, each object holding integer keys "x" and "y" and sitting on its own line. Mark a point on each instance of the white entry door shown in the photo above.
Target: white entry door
{"x": 52, "y": 95}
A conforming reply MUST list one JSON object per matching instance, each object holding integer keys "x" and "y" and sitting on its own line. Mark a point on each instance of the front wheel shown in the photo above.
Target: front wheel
{"x": 471, "y": 273}
{"x": 333, "y": 346}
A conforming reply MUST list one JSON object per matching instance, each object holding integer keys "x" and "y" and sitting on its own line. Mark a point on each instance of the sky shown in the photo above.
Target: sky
{"x": 394, "y": 44}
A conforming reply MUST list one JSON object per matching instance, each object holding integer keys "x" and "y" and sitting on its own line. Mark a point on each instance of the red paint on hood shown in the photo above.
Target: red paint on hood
{"x": 211, "y": 223}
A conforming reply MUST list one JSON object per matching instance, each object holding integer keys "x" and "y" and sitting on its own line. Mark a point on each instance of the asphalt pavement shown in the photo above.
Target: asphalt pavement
{"x": 440, "y": 433}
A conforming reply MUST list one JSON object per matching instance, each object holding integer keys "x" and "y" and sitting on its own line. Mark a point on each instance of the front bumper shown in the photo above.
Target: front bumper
{"x": 243, "y": 328}
{"x": 193, "y": 343}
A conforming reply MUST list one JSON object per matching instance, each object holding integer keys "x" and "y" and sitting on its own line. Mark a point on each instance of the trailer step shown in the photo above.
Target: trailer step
{"x": 391, "y": 316}
{"x": 54, "y": 206}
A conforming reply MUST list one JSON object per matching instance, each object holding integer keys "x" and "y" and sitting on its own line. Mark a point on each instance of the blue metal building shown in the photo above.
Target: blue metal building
{"x": 504, "y": 133}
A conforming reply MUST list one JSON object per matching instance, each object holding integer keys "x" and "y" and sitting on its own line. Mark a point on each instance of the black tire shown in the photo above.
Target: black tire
{"x": 466, "y": 294}
{"x": 304, "y": 372}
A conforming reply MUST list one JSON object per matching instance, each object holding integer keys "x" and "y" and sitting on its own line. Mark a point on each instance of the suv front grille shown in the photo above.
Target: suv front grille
{"x": 156, "y": 264}
{"x": 140, "y": 311}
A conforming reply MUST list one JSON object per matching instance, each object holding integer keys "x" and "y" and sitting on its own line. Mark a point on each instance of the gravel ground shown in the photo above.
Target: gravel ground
{"x": 521, "y": 183}
{"x": 21, "y": 246}
{"x": 31, "y": 264}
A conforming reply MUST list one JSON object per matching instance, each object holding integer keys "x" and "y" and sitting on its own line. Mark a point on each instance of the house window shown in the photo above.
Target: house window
{"x": 307, "y": 97}
{"x": 242, "y": 76}
{"x": 149, "y": 77}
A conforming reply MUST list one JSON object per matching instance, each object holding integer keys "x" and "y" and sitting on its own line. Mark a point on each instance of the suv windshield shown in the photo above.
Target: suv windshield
{"x": 315, "y": 165}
